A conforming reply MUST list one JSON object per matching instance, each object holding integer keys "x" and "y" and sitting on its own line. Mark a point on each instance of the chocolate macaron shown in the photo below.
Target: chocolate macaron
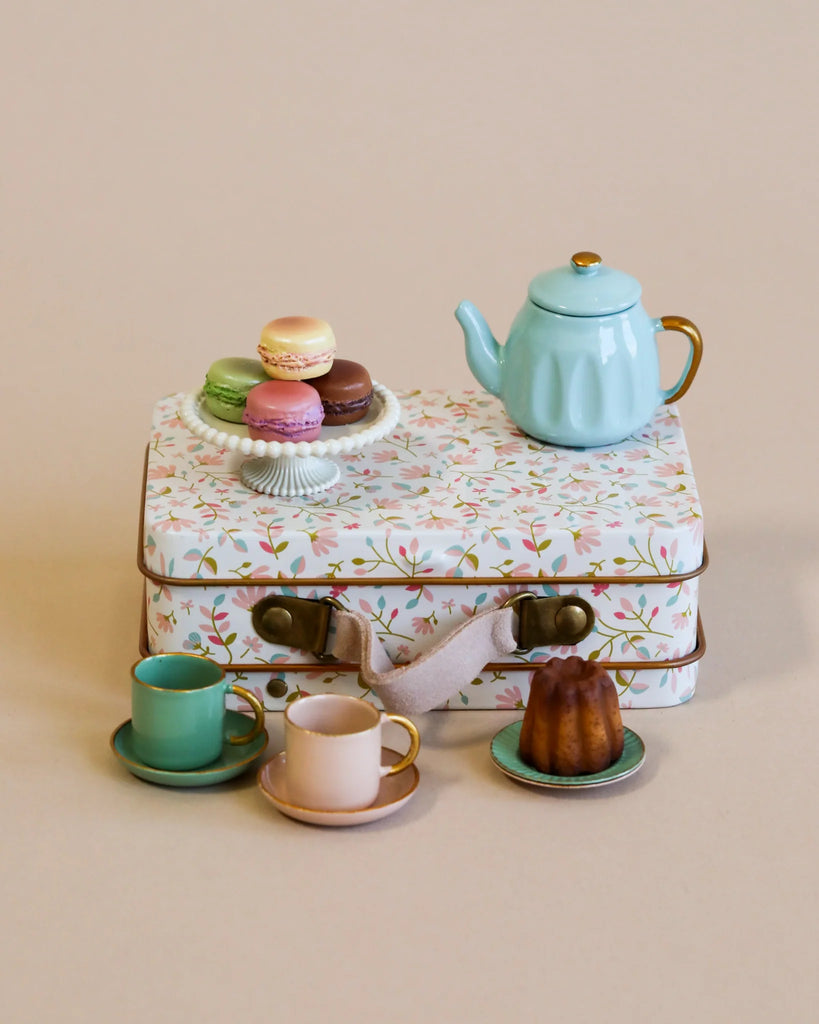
{"x": 346, "y": 392}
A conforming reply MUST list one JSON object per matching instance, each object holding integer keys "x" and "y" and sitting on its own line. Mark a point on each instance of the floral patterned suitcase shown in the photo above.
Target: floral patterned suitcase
{"x": 454, "y": 512}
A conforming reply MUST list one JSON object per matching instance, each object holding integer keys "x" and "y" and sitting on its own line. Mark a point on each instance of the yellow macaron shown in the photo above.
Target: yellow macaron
{"x": 297, "y": 348}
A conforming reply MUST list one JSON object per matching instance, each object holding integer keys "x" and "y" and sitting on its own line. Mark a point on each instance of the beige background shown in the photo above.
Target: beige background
{"x": 176, "y": 174}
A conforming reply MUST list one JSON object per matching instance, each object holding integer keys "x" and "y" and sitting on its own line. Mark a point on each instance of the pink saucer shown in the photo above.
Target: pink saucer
{"x": 394, "y": 792}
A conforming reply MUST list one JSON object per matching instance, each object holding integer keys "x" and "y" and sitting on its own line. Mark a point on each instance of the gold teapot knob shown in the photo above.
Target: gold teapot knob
{"x": 586, "y": 261}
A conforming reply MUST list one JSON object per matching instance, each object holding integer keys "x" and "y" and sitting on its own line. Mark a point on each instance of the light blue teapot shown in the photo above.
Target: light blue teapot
{"x": 580, "y": 367}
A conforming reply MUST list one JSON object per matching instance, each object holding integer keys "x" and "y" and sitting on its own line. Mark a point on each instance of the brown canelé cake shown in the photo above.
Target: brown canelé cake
{"x": 572, "y": 723}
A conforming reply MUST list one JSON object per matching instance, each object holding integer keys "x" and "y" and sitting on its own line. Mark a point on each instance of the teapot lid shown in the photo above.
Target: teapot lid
{"x": 584, "y": 288}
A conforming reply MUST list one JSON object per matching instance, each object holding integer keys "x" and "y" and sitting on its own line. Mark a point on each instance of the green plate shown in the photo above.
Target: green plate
{"x": 233, "y": 760}
{"x": 506, "y": 755}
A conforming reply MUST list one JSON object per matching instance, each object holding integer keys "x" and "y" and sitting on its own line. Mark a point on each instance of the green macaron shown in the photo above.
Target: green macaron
{"x": 227, "y": 383}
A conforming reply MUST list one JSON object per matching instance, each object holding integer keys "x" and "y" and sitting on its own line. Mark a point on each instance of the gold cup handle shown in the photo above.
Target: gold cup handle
{"x": 415, "y": 745}
{"x": 258, "y": 711}
{"x": 679, "y": 323}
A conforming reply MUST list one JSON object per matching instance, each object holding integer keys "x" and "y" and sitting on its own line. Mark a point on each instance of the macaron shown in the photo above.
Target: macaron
{"x": 297, "y": 348}
{"x": 227, "y": 383}
{"x": 346, "y": 392}
{"x": 283, "y": 410}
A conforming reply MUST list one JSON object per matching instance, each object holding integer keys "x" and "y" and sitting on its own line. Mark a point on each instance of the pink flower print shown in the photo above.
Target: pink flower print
{"x": 386, "y": 503}
{"x": 259, "y": 572}
{"x": 599, "y": 588}
{"x": 510, "y": 700}
{"x": 413, "y": 472}
{"x": 164, "y": 623}
{"x": 323, "y": 540}
{"x": 422, "y": 626}
{"x": 161, "y": 472}
{"x": 580, "y": 485}
{"x": 174, "y": 525}
{"x": 383, "y": 455}
{"x": 208, "y": 460}
{"x": 353, "y": 526}
{"x": 694, "y": 524}
{"x": 247, "y": 597}
{"x": 186, "y": 606}
{"x": 671, "y": 469}
{"x": 424, "y": 420}
{"x": 434, "y": 522}
{"x": 586, "y": 538}
{"x": 679, "y": 620}
{"x": 464, "y": 459}
{"x": 648, "y": 500}
{"x": 638, "y": 454}
{"x": 253, "y": 643}
{"x": 509, "y": 448}
{"x": 614, "y": 523}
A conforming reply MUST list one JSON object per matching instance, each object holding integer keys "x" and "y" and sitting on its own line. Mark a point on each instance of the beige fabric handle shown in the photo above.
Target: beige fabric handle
{"x": 435, "y": 676}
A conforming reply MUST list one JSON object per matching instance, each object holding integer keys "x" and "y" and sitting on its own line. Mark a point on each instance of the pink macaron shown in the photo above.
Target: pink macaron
{"x": 283, "y": 410}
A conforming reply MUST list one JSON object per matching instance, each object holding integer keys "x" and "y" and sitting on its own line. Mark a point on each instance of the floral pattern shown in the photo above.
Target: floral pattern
{"x": 457, "y": 494}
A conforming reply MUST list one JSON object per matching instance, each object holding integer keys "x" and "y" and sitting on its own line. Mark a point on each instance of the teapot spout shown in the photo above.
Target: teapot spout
{"x": 483, "y": 353}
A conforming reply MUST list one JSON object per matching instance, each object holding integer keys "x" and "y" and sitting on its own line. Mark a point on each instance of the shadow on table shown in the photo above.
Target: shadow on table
{"x": 754, "y": 606}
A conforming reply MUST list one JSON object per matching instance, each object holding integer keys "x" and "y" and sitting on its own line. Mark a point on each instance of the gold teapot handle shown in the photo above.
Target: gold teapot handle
{"x": 679, "y": 323}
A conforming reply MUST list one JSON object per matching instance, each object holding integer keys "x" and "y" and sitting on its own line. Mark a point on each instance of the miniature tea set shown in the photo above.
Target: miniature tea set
{"x": 334, "y": 769}
{"x": 580, "y": 368}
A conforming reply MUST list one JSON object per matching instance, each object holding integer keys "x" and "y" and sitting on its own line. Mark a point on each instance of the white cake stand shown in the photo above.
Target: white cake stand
{"x": 288, "y": 468}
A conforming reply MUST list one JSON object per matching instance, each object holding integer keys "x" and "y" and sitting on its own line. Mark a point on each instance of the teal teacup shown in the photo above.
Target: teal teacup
{"x": 178, "y": 711}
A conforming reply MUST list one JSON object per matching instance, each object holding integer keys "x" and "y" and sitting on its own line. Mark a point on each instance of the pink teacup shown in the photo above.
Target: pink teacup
{"x": 333, "y": 752}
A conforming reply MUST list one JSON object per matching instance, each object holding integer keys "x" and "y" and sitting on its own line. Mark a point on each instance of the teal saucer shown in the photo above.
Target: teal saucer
{"x": 506, "y": 755}
{"x": 233, "y": 760}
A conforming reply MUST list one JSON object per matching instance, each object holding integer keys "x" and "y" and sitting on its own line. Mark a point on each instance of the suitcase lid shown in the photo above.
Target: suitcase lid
{"x": 455, "y": 491}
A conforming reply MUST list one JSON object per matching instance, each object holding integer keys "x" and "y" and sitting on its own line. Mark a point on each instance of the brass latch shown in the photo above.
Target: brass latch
{"x": 295, "y": 622}
{"x": 544, "y": 621}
